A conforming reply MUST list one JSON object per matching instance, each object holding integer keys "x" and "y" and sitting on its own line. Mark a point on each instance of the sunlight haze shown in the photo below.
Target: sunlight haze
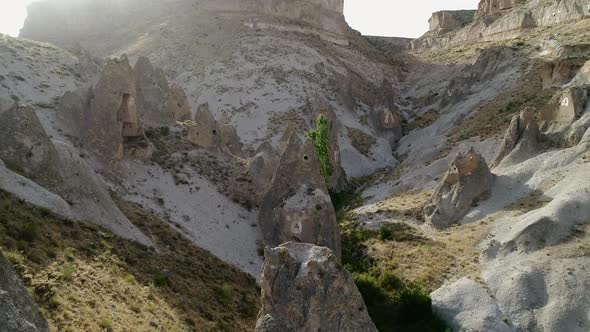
{"x": 370, "y": 17}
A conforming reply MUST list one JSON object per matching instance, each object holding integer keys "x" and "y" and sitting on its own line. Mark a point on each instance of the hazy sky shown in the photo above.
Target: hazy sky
{"x": 403, "y": 18}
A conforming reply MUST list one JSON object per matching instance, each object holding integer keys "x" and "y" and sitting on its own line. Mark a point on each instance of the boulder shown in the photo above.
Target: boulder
{"x": 297, "y": 206}
{"x": 304, "y": 288}
{"x": 521, "y": 139}
{"x": 159, "y": 103}
{"x": 25, "y": 146}
{"x": 18, "y": 310}
{"x": 466, "y": 306}
{"x": 467, "y": 181}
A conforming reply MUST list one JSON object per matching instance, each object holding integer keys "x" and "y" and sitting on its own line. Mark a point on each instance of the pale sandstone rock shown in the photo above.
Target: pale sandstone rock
{"x": 18, "y": 310}
{"x": 559, "y": 72}
{"x": 448, "y": 20}
{"x": 25, "y": 146}
{"x": 263, "y": 165}
{"x": 565, "y": 108}
{"x": 466, "y": 306}
{"x": 487, "y": 7}
{"x": 204, "y": 130}
{"x": 297, "y": 206}
{"x": 521, "y": 138}
{"x": 106, "y": 118}
{"x": 158, "y": 102}
{"x": 304, "y": 288}
{"x": 467, "y": 181}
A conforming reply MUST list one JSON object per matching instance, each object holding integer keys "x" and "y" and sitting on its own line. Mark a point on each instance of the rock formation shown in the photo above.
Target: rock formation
{"x": 304, "y": 288}
{"x": 520, "y": 140}
{"x": 560, "y": 72}
{"x": 106, "y": 118}
{"x": 447, "y": 20}
{"x": 159, "y": 103}
{"x": 209, "y": 134}
{"x": 18, "y": 310}
{"x": 468, "y": 181}
{"x": 563, "y": 110}
{"x": 71, "y": 24}
{"x": 263, "y": 165}
{"x": 468, "y": 307}
{"x": 487, "y": 7}
{"x": 59, "y": 169}
{"x": 25, "y": 146}
{"x": 506, "y": 19}
{"x": 297, "y": 206}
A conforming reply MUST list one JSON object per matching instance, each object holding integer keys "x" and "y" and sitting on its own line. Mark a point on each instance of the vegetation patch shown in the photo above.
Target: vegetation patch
{"x": 394, "y": 303}
{"x": 80, "y": 274}
{"x": 319, "y": 137}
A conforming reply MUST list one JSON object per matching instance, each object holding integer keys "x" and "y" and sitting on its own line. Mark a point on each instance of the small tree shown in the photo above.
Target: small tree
{"x": 319, "y": 137}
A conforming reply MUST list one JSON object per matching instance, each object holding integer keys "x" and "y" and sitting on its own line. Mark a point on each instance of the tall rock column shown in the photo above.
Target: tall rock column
{"x": 297, "y": 206}
{"x": 304, "y": 288}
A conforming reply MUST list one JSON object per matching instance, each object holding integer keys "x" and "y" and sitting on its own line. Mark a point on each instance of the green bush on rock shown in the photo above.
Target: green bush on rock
{"x": 319, "y": 137}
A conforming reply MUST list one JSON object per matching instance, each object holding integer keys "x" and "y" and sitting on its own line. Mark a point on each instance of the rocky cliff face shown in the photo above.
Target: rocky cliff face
{"x": 70, "y": 23}
{"x": 506, "y": 19}
{"x": 18, "y": 311}
{"x": 305, "y": 289}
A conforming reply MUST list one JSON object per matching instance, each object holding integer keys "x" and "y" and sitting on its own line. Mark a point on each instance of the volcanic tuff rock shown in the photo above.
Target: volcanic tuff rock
{"x": 58, "y": 168}
{"x": 468, "y": 307}
{"x": 18, "y": 310}
{"x": 297, "y": 206}
{"x": 159, "y": 103}
{"x": 506, "y": 19}
{"x": 467, "y": 181}
{"x": 208, "y": 133}
{"x": 69, "y": 23}
{"x": 304, "y": 288}
{"x": 520, "y": 141}
{"x": 106, "y": 118}
{"x": 449, "y": 20}
{"x": 487, "y": 7}
{"x": 25, "y": 146}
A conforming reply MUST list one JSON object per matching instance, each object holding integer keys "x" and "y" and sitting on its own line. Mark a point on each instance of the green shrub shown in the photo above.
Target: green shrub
{"x": 161, "y": 279}
{"x": 385, "y": 233}
{"x": 319, "y": 137}
{"x": 28, "y": 232}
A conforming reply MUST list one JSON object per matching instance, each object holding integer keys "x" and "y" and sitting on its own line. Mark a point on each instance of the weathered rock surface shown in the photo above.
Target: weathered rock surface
{"x": 106, "y": 118}
{"x": 32, "y": 193}
{"x": 520, "y": 141}
{"x": 304, "y": 288}
{"x": 263, "y": 165}
{"x": 566, "y": 108}
{"x": 159, "y": 103}
{"x": 297, "y": 206}
{"x": 507, "y": 19}
{"x": 25, "y": 146}
{"x": 18, "y": 310}
{"x": 468, "y": 181}
{"x": 59, "y": 169}
{"x": 69, "y": 24}
{"x": 204, "y": 131}
{"x": 448, "y": 20}
{"x": 466, "y": 306}
{"x": 487, "y": 7}
{"x": 560, "y": 72}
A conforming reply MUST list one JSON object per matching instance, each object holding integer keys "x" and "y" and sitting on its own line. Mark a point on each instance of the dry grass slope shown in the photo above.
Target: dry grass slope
{"x": 86, "y": 279}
